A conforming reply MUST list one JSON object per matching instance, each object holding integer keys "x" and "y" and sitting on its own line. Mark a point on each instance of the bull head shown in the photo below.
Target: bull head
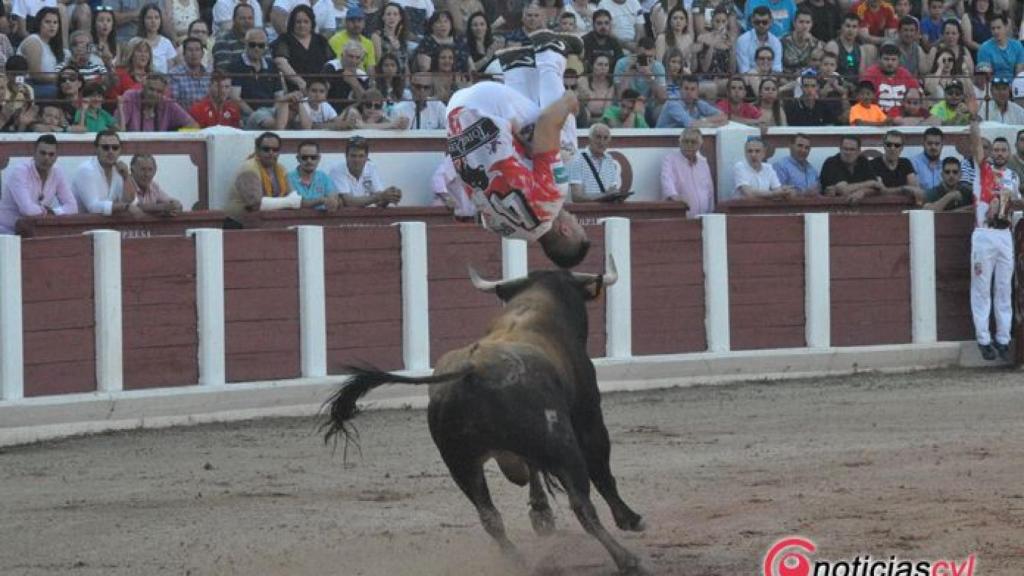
{"x": 609, "y": 277}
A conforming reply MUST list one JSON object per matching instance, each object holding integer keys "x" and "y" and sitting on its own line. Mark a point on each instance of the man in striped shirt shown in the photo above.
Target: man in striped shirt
{"x": 594, "y": 176}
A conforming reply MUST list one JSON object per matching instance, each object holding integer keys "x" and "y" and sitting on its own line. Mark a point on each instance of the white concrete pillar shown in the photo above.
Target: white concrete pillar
{"x": 312, "y": 301}
{"x": 12, "y": 356}
{"x": 619, "y": 299}
{"x": 210, "y": 304}
{"x": 817, "y": 282}
{"x": 106, "y": 245}
{"x": 924, "y": 321}
{"x": 415, "y": 302}
{"x": 716, "y": 282}
{"x": 513, "y": 258}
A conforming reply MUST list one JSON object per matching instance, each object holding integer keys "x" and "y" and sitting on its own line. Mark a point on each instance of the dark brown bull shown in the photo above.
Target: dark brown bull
{"x": 525, "y": 394}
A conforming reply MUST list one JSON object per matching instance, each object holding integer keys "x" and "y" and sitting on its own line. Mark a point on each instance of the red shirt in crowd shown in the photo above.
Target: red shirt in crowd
{"x": 889, "y": 90}
{"x": 208, "y": 114}
{"x": 876, "y": 21}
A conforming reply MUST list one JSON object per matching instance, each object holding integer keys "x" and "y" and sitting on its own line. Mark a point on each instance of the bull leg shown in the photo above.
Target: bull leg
{"x": 468, "y": 473}
{"x": 577, "y": 484}
{"x": 597, "y": 450}
{"x": 541, "y": 517}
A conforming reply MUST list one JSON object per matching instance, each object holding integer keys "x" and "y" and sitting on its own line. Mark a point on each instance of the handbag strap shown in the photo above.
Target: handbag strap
{"x": 593, "y": 170}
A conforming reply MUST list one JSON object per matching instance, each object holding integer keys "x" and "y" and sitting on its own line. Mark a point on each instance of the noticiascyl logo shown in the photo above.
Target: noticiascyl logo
{"x": 788, "y": 557}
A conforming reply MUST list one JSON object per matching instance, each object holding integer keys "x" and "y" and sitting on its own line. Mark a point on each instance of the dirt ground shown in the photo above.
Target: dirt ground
{"x": 925, "y": 466}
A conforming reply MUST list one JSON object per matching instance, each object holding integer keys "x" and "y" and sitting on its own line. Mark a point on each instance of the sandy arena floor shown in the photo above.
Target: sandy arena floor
{"x": 926, "y": 465}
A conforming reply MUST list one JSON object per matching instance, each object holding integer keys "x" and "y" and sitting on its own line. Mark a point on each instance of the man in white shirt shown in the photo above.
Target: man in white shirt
{"x": 103, "y": 184}
{"x": 423, "y": 112}
{"x": 357, "y": 179}
{"x": 223, "y": 12}
{"x": 1000, "y": 108}
{"x": 627, "y": 21}
{"x": 753, "y": 178}
{"x": 757, "y": 36}
{"x": 594, "y": 176}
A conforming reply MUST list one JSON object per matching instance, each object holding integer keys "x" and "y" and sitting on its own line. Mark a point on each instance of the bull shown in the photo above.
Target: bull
{"x": 526, "y": 395}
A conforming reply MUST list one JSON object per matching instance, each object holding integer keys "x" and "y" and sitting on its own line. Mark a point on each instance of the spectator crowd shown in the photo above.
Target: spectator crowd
{"x": 80, "y": 66}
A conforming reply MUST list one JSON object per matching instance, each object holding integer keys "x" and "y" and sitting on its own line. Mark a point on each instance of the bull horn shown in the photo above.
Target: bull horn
{"x": 480, "y": 284}
{"x": 611, "y": 275}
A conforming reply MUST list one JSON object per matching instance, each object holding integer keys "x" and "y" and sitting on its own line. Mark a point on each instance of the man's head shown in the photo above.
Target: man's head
{"x": 628, "y": 100}
{"x": 600, "y": 138}
{"x": 192, "y": 51}
{"x": 108, "y": 148}
{"x": 533, "y": 18}
{"x": 567, "y": 23}
{"x": 1020, "y": 143}
{"x": 308, "y": 156}
{"x": 936, "y": 8}
{"x": 357, "y": 152}
{"x": 243, "y": 18}
{"x": 154, "y": 89}
{"x": 220, "y": 87}
{"x": 268, "y": 148}
{"x": 422, "y": 86}
{"x": 690, "y": 142}
{"x": 256, "y": 44}
{"x": 889, "y": 60}
{"x": 1001, "y": 90}
{"x": 352, "y": 55}
{"x": 954, "y": 94}
{"x": 45, "y": 152}
{"x": 143, "y": 168}
{"x": 602, "y": 23}
{"x": 849, "y": 149}
{"x": 950, "y": 171}
{"x": 736, "y": 90}
{"x": 851, "y": 24}
{"x": 829, "y": 64}
{"x": 800, "y": 148}
{"x": 910, "y": 33}
{"x": 803, "y": 22}
{"x": 566, "y": 243}
{"x": 893, "y": 144}
{"x": 81, "y": 46}
{"x": 761, "y": 20}
{"x": 646, "y": 47}
{"x": 809, "y": 87}
{"x": 199, "y": 29}
{"x": 1000, "y": 152}
{"x": 1000, "y": 27}
{"x": 690, "y": 89}
{"x": 355, "y": 21}
{"x": 753, "y": 150}
{"x": 933, "y": 143}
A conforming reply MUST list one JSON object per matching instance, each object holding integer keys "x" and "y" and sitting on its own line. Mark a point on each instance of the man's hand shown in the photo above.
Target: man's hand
{"x": 122, "y": 169}
{"x": 856, "y": 197}
{"x": 390, "y": 195}
{"x": 332, "y": 202}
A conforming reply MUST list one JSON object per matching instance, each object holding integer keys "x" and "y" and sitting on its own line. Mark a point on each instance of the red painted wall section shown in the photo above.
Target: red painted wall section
{"x": 668, "y": 287}
{"x": 58, "y": 315}
{"x": 459, "y": 313}
{"x": 870, "y": 277}
{"x": 766, "y": 282}
{"x": 953, "y": 275}
{"x": 592, "y": 264}
{"x": 363, "y": 282}
{"x": 261, "y": 305}
{"x": 161, "y": 341}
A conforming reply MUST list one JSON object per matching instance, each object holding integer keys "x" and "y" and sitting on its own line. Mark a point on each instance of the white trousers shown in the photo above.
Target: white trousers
{"x": 991, "y": 256}
{"x": 544, "y": 84}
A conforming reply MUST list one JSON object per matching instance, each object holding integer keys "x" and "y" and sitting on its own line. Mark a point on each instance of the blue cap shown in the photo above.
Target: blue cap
{"x": 355, "y": 12}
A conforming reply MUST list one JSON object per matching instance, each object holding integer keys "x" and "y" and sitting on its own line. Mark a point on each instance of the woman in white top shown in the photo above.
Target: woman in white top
{"x": 151, "y": 22}
{"x": 754, "y": 178}
{"x": 43, "y": 51}
{"x": 180, "y": 15}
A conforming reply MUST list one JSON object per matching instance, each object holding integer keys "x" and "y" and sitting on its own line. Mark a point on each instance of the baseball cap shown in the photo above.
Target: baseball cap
{"x": 355, "y": 12}
{"x": 955, "y": 85}
{"x": 983, "y": 67}
{"x": 1003, "y": 80}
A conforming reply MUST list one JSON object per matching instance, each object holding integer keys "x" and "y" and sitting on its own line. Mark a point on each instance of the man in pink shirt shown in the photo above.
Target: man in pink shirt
{"x": 148, "y": 109}
{"x": 686, "y": 176}
{"x": 35, "y": 187}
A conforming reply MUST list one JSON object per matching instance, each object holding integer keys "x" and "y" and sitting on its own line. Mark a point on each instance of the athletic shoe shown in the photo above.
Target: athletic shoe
{"x": 518, "y": 57}
{"x": 987, "y": 351}
{"x": 564, "y": 44}
{"x": 1003, "y": 350}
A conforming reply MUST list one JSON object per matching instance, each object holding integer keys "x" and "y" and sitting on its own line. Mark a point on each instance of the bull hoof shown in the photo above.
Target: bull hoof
{"x": 543, "y": 522}
{"x": 631, "y": 523}
{"x": 636, "y": 568}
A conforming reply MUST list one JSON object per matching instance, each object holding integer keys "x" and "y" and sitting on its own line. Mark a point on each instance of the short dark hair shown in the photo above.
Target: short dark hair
{"x": 853, "y": 137}
{"x": 801, "y": 11}
{"x": 262, "y": 137}
{"x": 851, "y": 16}
{"x": 198, "y": 21}
{"x": 192, "y": 40}
{"x": 105, "y": 134}
{"x": 629, "y": 94}
{"x": 312, "y": 143}
{"x": 909, "y": 21}
{"x": 234, "y": 13}
{"x": 1001, "y": 139}
{"x": 689, "y": 79}
{"x": 1019, "y": 134}
{"x": 933, "y": 131}
{"x": 866, "y": 85}
{"x": 893, "y": 134}
{"x": 600, "y": 12}
{"x": 761, "y": 11}
{"x": 357, "y": 143}
{"x": 45, "y": 139}
{"x": 950, "y": 160}
{"x": 889, "y": 50}
{"x": 801, "y": 135}
{"x": 1000, "y": 16}
{"x": 646, "y": 42}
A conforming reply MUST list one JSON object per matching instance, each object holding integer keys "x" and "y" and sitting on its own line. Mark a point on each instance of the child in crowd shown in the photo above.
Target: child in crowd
{"x": 91, "y": 117}
{"x": 865, "y": 112}
{"x": 320, "y": 112}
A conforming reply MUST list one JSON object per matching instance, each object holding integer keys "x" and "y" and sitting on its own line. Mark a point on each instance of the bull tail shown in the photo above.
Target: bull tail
{"x": 341, "y": 407}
